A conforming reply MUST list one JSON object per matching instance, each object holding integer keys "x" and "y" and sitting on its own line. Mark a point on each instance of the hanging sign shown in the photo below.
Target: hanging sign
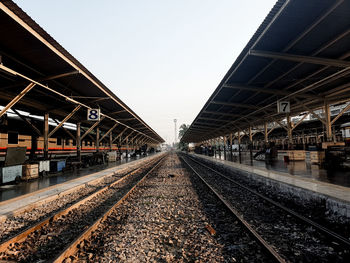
{"x": 283, "y": 106}
{"x": 93, "y": 114}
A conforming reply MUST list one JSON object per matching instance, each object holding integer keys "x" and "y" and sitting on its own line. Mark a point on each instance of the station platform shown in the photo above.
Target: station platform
{"x": 10, "y": 191}
{"x": 58, "y": 186}
{"x": 305, "y": 186}
{"x": 304, "y": 169}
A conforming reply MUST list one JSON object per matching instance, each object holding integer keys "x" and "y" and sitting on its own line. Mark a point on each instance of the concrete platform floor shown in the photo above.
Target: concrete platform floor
{"x": 14, "y": 190}
{"x": 311, "y": 185}
{"x": 300, "y": 168}
{"x": 335, "y": 197}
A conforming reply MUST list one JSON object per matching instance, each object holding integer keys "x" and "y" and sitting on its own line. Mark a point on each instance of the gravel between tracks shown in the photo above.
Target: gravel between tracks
{"x": 15, "y": 224}
{"x": 166, "y": 220}
{"x": 52, "y": 238}
{"x": 296, "y": 241}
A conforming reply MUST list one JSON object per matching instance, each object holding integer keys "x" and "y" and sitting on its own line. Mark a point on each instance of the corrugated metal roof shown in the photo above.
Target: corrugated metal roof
{"x": 265, "y": 72}
{"x": 26, "y": 53}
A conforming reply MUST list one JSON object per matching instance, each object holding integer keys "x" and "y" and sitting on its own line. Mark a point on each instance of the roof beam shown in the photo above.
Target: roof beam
{"x": 212, "y": 119}
{"x": 222, "y": 113}
{"x": 59, "y": 75}
{"x": 264, "y": 90}
{"x": 234, "y": 104}
{"x": 299, "y": 58}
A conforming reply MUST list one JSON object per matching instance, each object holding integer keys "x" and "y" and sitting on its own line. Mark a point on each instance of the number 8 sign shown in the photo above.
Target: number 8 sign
{"x": 283, "y": 106}
{"x": 93, "y": 114}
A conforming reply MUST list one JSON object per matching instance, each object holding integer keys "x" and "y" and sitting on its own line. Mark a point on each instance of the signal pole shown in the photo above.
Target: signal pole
{"x": 175, "y": 120}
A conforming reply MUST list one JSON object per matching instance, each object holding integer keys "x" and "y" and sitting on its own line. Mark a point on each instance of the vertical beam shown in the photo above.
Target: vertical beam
{"x": 224, "y": 147}
{"x": 231, "y": 154}
{"x": 46, "y": 135}
{"x": 78, "y": 142}
{"x": 251, "y": 143}
{"x": 266, "y": 134}
{"x": 289, "y": 131}
{"x": 127, "y": 146}
{"x": 250, "y": 135}
{"x": 97, "y": 139}
{"x": 110, "y": 141}
{"x": 327, "y": 115}
{"x": 239, "y": 145}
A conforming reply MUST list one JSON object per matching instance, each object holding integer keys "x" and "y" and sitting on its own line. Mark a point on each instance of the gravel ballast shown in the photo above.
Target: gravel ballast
{"x": 172, "y": 217}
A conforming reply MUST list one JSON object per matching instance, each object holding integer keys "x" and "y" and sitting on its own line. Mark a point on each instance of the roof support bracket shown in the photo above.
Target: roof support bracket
{"x": 64, "y": 120}
{"x": 66, "y": 131}
{"x": 92, "y": 127}
{"x": 108, "y": 132}
{"x": 28, "y": 122}
{"x": 341, "y": 113}
{"x": 120, "y": 134}
{"x": 127, "y": 137}
{"x": 16, "y": 99}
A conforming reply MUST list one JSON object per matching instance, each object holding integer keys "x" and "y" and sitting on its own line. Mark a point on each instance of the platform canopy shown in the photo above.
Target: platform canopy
{"x": 299, "y": 54}
{"x": 59, "y": 82}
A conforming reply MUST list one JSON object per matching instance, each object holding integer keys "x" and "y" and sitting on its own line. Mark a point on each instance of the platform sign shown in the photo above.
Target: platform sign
{"x": 93, "y": 114}
{"x": 283, "y": 106}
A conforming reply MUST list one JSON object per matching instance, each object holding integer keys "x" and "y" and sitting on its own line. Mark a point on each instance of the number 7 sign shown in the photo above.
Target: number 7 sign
{"x": 283, "y": 106}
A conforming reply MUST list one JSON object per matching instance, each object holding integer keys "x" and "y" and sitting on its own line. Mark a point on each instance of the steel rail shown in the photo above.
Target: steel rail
{"x": 260, "y": 240}
{"x": 24, "y": 233}
{"x": 72, "y": 248}
{"x": 319, "y": 227}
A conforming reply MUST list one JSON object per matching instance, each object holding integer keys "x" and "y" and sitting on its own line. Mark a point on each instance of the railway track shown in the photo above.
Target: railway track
{"x": 48, "y": 238}
{"x": 287, "y": 235}
{"x": 170, "y": 218}
{"x": 43, "y": 212}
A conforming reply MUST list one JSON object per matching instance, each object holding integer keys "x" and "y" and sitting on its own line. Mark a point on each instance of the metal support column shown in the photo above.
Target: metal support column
{"x": 111, "y": 141}
{"x": 266, "y": 134}
{"x": 97, "y": 139}
{"x": 239, "y": 146}
{"x": 231, "y": 154}
{"x": 78, "y": 142}
{"x": 127, "y": 146}
{"x": 327, "y": 115}
{"x": 251, "y": 143}
{"x": 289, "y": 131}
{"x": 46, "y": 136}
{"x": 219, "y": 145}
{"x": 225, "y": 147}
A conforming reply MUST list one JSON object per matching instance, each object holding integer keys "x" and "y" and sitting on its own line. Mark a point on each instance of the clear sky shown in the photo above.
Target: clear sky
{"x": 163, "y": 58}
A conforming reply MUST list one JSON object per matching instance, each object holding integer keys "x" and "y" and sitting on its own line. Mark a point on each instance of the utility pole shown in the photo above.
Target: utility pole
{"x": 175, "y": 120}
